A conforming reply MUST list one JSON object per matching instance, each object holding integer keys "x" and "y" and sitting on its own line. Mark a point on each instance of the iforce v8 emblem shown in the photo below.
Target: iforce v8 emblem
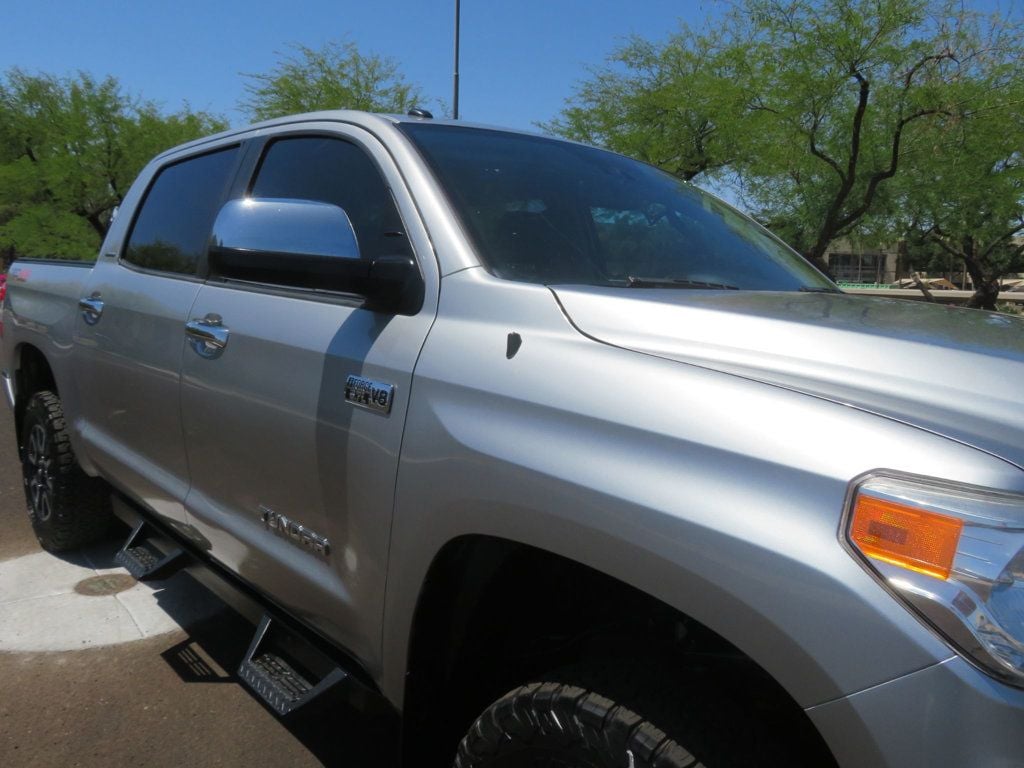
{"x": 369, "y": 394}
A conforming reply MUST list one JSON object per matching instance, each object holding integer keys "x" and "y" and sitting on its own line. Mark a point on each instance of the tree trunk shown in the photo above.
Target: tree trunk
{"x": 817, "y": 258}
{"x": 922, "y": 287}
{"x": 98, "y": 225}
{"x": 986, "y": 287}
{"x": 985, "y": 295}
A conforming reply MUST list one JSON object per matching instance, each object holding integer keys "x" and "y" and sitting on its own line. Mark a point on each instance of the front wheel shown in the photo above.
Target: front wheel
{"x": 555, "y": 725}
{"x": 68, "y": 509}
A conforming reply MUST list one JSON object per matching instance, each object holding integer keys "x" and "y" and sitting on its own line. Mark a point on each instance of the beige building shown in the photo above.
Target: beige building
{"x": 850, "y": 264}
{"x": 883, "y": 265}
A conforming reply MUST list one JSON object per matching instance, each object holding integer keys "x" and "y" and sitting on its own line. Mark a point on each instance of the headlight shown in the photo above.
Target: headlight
{"x": 955, "y": 555}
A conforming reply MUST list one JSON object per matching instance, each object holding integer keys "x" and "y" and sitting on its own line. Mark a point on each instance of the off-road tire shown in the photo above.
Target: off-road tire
{"x": 558, "y": 725}
{"x": 67, "y": 508}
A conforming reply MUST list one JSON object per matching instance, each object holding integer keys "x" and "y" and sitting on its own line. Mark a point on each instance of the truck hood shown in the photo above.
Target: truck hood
{"x": 952, "y": 371}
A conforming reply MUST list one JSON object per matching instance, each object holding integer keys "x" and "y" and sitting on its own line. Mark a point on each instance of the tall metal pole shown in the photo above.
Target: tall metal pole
{"x": 455, "y": 97}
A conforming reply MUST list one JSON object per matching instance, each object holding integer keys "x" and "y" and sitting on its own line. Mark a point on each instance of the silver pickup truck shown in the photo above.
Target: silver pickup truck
{"x": 569, "y": 462}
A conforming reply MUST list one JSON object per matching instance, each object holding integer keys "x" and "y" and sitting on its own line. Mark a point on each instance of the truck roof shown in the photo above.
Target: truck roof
{"x": 369, "y": 120}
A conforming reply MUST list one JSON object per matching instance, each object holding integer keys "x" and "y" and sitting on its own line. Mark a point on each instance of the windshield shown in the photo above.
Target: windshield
{"x": 547, "y": 211}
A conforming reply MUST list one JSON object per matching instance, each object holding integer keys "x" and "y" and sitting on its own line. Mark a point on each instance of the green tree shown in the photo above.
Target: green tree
{"x": 963, "y": 197}
{"x": 672, "y": 104}
{"x": 336, "y": 76}
{"x": 69, "y": 150}
{"x": 854, "y": 91}
{"x": 972, "y": 215}
{"x": 815, "y": 106}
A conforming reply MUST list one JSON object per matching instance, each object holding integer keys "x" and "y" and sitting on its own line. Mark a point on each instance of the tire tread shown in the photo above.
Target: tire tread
{"x": 81, "y": 508}
{"x": 568, "y": 717}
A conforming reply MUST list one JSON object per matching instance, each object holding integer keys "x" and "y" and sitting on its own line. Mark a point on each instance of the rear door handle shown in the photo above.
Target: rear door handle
{"x": 208, "y": 336}
{"x": 92, "y": 308}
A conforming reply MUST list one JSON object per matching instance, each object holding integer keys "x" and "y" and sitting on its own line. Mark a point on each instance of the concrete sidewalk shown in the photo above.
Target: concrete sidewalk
{"x": 88, "y": 601}
{"x": 98, "y": 671}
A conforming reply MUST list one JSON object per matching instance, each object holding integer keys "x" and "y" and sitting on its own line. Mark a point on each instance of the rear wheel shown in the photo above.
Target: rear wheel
{"x": 68, "y": 509}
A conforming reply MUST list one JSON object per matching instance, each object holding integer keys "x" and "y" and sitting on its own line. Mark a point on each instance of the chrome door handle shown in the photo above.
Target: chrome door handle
{"x": 208, "y": 336}
{"x": 92, "y": 308}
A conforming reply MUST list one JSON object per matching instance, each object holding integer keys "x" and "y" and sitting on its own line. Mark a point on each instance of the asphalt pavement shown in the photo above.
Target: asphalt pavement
{"x": 144, "y": 677}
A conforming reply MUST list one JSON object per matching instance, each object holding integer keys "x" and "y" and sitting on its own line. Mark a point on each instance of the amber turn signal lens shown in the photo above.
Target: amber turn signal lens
{"x": 906, "y": 536}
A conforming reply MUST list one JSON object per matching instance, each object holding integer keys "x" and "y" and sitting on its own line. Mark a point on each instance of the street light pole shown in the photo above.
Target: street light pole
{"x": 455, "y": 97}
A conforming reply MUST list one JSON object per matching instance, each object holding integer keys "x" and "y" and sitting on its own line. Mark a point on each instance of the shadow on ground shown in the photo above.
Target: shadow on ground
{"x": 168, "y": 700}
{"x": 346, "y": 726}
{"x": 343, "y": 727}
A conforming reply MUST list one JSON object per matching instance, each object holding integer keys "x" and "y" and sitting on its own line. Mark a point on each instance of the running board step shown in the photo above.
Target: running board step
{"x": 284, "y": 669}
{"x": 147, "y": 555}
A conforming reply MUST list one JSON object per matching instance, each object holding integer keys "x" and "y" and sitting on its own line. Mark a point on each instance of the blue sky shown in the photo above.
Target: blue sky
{"x": 520, "y": 59}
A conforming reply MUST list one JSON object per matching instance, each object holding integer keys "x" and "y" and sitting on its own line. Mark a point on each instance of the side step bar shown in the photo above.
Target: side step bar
{"x": 148, "y": 555}
{"x": 284, "y": 669}
{"x": 286, "y": 666}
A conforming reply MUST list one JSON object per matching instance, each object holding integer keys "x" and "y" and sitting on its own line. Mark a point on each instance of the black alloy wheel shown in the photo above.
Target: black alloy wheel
{"x": 67, "y": 508}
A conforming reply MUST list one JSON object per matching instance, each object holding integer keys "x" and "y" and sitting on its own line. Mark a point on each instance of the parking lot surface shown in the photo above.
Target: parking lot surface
{"x": 98, "y": 671}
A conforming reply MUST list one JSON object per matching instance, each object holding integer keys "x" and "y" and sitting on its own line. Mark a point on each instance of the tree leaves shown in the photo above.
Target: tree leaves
{"x": 69, "y": 150}
{"x": 71, "y": 147}
{"x": 336, "y": 76}
{"x": 821, "y": 109}
{"x": 667, "y": 104}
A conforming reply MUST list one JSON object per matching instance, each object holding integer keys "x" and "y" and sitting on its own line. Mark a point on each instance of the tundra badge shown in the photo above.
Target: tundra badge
{"x": 367, "y": 393}
{"x": 297, "y": 534}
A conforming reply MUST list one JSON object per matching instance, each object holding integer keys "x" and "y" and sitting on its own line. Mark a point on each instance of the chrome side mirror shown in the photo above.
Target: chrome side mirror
{"x": 285, "y": 227}
{"x": 307, "y": 245}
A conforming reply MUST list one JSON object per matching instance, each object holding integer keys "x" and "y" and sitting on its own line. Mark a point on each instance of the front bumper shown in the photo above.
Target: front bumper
{"x": 8, "y": 386}
{"x": 949, "y": 714}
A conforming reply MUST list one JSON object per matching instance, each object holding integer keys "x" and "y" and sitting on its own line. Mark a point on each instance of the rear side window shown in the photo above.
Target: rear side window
{"x": 172, "y": 229}
{"x": 334, "y": 171}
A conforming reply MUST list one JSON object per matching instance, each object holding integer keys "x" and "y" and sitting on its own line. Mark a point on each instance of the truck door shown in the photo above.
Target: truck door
{"x": 129, "y": 336}
{"x": 292, "y": 480}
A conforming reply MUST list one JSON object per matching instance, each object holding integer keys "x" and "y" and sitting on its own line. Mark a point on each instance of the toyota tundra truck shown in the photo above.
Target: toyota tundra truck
{"x": 566, "y": 461}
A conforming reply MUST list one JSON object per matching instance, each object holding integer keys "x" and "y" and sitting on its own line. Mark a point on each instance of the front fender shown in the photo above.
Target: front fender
{"x": 717, "y": 495}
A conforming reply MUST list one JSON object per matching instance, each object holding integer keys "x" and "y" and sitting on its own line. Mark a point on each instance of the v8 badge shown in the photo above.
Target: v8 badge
{"x": 369, "y": 394}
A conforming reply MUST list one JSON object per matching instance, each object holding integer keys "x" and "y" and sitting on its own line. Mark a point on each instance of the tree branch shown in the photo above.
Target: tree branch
{"x": 938, "y": 240}
{"x": 858, "y": 122}
{"x": 887, "y": 173}
{"x": 818, "y": 153}
{"x": 31, "y": 155}
{"x": 758, "y": 105}
{"x": 1009, "y": 233}
{"x": 113, "y": 187}
{"x": 909, "y": 77}
{"x": 830, "y": 225}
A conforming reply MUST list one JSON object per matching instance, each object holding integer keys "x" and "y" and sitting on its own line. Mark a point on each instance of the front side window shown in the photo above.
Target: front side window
{"x": 172, "y": 229}
{"x": 330, "y": 170}
{"x": 547, "y": 211}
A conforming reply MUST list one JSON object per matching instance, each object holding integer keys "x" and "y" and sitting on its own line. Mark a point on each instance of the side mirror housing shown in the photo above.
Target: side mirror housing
{"x": 311, "y": 246}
